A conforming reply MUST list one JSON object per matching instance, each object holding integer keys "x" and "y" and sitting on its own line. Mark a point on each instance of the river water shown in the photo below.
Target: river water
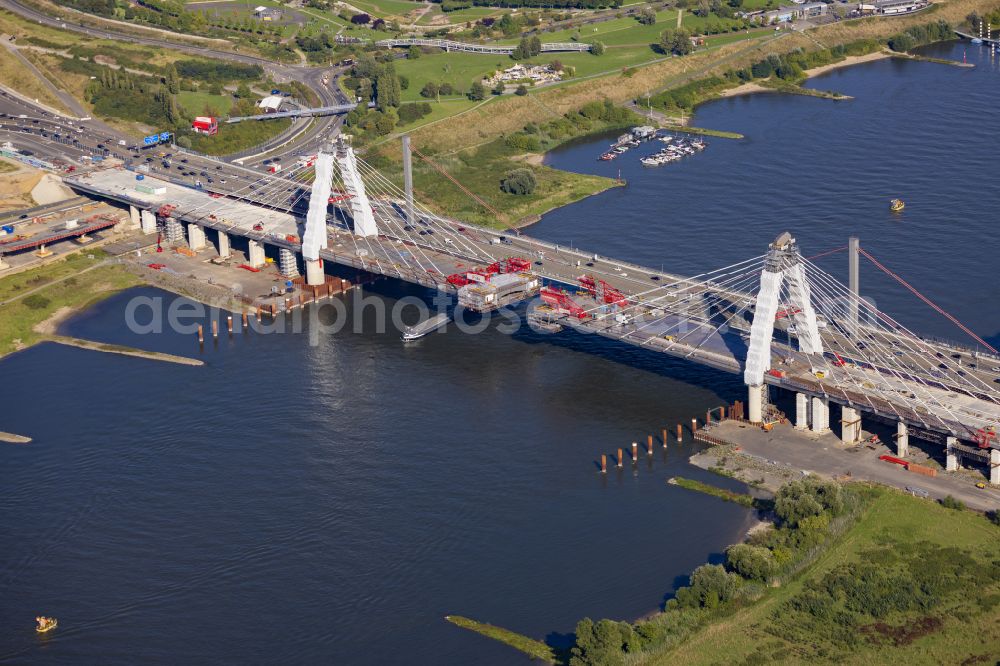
{"x": 293, "y": 502}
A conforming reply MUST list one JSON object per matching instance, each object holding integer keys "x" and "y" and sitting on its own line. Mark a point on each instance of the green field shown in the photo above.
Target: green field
{"x": 895, "y": 525}
{"x": 460, "y": 15}
{"x": 68, "y": 286}
{"x": 195, "y": 103}
{"x": 386, "y": 9}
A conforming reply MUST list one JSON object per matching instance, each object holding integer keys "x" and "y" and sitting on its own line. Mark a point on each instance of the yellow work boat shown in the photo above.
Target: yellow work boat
{"x": 896, "y": 205}
{"x": 46, "y": 624}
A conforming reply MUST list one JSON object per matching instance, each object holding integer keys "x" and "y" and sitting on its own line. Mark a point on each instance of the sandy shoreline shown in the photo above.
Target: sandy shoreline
{"x": 847, "y": 62}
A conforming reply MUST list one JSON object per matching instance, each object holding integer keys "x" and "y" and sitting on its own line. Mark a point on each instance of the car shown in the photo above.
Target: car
{"x": 222, "y": 180}
{"x": 409, "y": 227}
{"x": 423, "y": 232}
{"x": 538, "y": 263}
{"x": 23, "y": 216}
{"x": 590, "y": 263}
{"x": 275, "y": 159}
{"x": 210, "y": 179}
{"x": 942, "y": 366}
{"x": 219, "y": 167}
{"x": 204, "y": 173}
{"x": 266, "y": 162}
{"x": 100, "y": 146}
{"x": 461, "y": 229}
{"x": 430, "y": 232}
{"x": 962, "y": 373}
{"x": 27, "y": 153}
{"x": 980, "y": 485}
{"x": 149, "y": 159}
{"x": 655, "y": 278}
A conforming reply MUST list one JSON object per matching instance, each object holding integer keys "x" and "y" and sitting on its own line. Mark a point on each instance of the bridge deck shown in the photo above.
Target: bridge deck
{"x": 697, "y": 340}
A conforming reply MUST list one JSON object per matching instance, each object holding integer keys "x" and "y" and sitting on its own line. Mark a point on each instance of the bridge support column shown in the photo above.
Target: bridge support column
{"x": 255, "y": 254}
{"x": 801, "y": 411}
{"x": 2, "y": 265}
{"x": 995, "y": 467}
{"x": 755, "y": 403}
{"x": 287, "y": 262}
{"x": 950, "y": 457}
{"x": 902, "y": 440}
{"x": 148, "y": 222}
{"x": 174, "y": 230}
{"x": 820, "y": 414}
{"x": 314, "y": 272}
{"x": 850, "y": 425}
{"x": 134, "y": 217}
{"x": 224, "y": 250}
{"x": 196, "y": 237}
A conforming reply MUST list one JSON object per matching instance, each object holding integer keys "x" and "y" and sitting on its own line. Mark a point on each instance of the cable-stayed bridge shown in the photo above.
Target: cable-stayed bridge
{"x": 778, "y": 318}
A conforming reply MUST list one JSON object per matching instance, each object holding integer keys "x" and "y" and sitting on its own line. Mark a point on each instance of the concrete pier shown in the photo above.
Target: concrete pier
{"x": 850, "y": 425}
{"x": 755, "y": 403}
{"x": 196, "y": 237}
{"x": 148, "y": 222}
{"x": 951, "y": 458}
{"x": 801, "y": 411}
{"x": 314, "y": 272}
{"x": 255, "y": 254}
{"x": 902, "y": 440}
{"x": 995, "y": 467}
{"x": 174, "y": 231}
{"x": 287, "y": 263}
{"x": 135, "y": 218}
{"x": 820, "y": 414}
{"x": 2, "y": 265}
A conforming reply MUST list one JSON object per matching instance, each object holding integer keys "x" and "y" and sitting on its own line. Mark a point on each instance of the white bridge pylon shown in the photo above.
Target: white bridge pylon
{"x": 783, "y": 263}
{"x": 314, "y": 238}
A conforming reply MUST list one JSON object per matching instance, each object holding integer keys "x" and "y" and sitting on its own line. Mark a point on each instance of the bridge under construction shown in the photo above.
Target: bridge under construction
{"x": 778, "y": 319}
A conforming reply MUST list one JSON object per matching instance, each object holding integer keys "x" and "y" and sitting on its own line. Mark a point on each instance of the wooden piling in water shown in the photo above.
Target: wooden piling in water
{"x": 619, "y": 457}
{"x": 201, "y": 333}
{"x": 635, "y": 451}
{"x": 604, "y": 463}
{"x": 215, "y": 328}
{"x": 244, "y": 320}
{"x": 680, "y": 433}
{"x": 664, "y": 438}
{"x": 694, "y": 425}
{"x": 229, "y": 324}
{"x": 649, "y": 445}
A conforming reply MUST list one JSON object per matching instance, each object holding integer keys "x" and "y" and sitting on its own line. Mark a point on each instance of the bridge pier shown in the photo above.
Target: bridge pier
{"x": 995, "y": 467}
{"x": 196, "y": 237}
{"x": 224, "y": 249}
{"x": 850, "y": 425}
{"x": 755, "y": 403}
{"x": 950, "y": 457}
{"x": 148, "y": 222}
{"x": 801, "y": 411}
{"x": 255, "y": 254}
{"x": 314, "y": 272}
{"x": 135, "y": 217}
{"x": 2, "y": 264}
{"x": 174, "y": 230}
{"x": 288, "y": 265}
{"x": 820, "y": 414}
{"x": 902, "y": 440}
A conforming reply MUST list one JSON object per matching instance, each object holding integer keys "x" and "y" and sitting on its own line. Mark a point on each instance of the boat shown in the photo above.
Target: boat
{"x": 896, "y": 205}
{"x": 426, "y": 326}
{"x": 45, "y": 624}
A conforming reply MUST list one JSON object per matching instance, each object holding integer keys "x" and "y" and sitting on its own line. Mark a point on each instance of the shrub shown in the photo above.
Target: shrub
{"x": 361, "y": 19}
{"x": 751, "y": 562}
{"x": 36, "y": 302}
{"x": 597, "y": 48}
{"x": 710, "y": 585}
{"x": 950, "y": 502}
{"x": 522, "y": 90}
{"x": 518, "y": 181}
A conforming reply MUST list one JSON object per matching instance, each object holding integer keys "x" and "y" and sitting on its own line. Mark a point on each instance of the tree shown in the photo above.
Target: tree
{"x": 414, "y": 52}
{"x": 521, "y": 91}
{"x": 603, "y": 643}
{"x": 430, "y": 90}
{"x": 184, "y": 141}
{"x": 243, "y": 91}
{"x": 519, "y": 181}
{"x": 950, "y": 502}
{"x": 387, "y": 89}
{"x": 647, "y": 16}
{"x": 534, "y": 46}
{"x": 751, "y": 562}
{"x": 498, "y": 89}
{"x": 799, "y": 500}
{"x": 597, "y": 48}
{"x": 361, "y": 19}
{"x": 173, "y": 81}
{"x": 710, "y": 585}
{"x": 477, "y": 92}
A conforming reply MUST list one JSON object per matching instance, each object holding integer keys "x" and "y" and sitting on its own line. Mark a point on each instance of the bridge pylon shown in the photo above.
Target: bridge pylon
{"x": 361, "y": 208}
{"x": 783, "y": 263}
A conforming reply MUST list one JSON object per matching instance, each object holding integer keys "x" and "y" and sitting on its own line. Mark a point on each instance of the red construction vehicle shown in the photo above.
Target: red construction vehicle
{"x": 337, "y": 196}
{"x": 508, "y": 265}
{"x": 561, "y": 302}
{"x": 602, "y": 291}
{"x": 984, "y": 437}
{"x": 258, "y": 227}
{"x": 166, "y": 210}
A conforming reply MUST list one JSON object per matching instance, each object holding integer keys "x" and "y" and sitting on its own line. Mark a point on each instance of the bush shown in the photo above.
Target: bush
{"x": 603, "y": 643}
{"x": 710, "y": 586}
{"x": 519, "y": 182}
{"x": 413, "y": 111}
{"x": 994, "y": 517}
{"x": 521, "y": 90}
{"x": 36, "y": 302}
{"x": 751, "y": 562}
{"x": 597, "y": 48}
{"x": 361, "y": 19}
{"x": 798, "y": 500}
{"x": 950, "y": 502}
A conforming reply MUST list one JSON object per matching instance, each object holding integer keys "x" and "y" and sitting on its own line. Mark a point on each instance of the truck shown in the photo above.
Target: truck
{"x": 274, "y": 167}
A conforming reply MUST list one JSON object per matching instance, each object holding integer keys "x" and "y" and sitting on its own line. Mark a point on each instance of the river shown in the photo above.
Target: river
{"x": 330, "y": 503}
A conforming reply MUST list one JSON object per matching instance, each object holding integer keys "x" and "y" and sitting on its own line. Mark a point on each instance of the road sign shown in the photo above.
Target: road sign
{"x": 151, "y": 140}
{"x": 165, "y": 136}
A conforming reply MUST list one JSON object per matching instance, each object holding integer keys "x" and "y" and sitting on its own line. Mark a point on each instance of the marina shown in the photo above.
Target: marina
{"x": 675, "y": 146}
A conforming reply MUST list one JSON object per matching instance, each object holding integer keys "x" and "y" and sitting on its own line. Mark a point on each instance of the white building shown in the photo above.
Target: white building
{"x": 271, "y": 103}
{"x": 519, "y": 72}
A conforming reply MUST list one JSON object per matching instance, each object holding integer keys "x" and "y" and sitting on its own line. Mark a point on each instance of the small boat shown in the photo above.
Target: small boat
{"x": 46, "y": 624}
{"x": 428, "y": 325}
{"x": 896, "y": 205}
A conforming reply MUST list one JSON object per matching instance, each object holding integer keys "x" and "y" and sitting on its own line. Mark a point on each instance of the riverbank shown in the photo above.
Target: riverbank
{"x": 11, "y": 438}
